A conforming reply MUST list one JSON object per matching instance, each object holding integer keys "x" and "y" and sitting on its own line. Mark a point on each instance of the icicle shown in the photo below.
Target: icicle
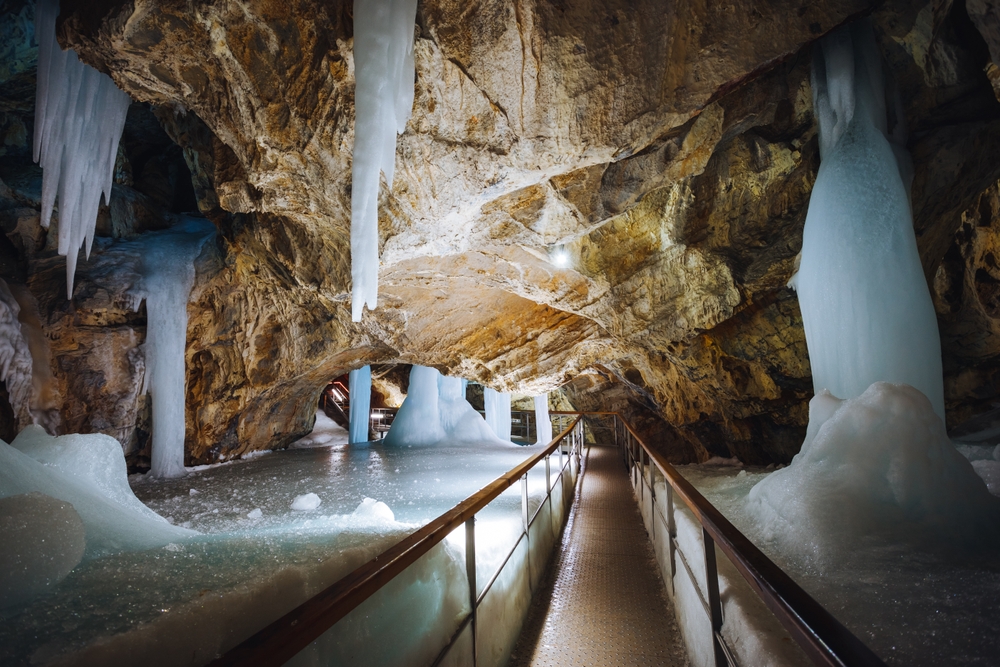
{"x": 497, "y": 412}
{"x": 865, "y": 304}
{"x": 360, "y": 381}
{"x": 167, "y": 277}
{"x": 79, "y": 116}
{"x": 383, "y": 72}
{"x": 543, "y": 425}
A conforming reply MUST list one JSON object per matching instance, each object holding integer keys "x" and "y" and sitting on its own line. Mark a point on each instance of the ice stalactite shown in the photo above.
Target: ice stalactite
{"x": 167, "y": 275}
{"x": 543, "y": 425}
{"x": 497, "y": 406}
{"x": 360, "y": 381}
{"x": 435, "y": 412}
{"x": 79, "y": 116}
{"x": 865, "y": 303}
{"x": 383, "y": 99}
{"x": 876, "y": 463}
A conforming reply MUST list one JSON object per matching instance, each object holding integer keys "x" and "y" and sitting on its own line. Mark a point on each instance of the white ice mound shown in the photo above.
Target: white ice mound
{"x": 879, "y": 465}
{"x": 435, "y": 412}
{"x": 306, "y": 502}
{"x": 88, "y": 472}
{"x": 43, "y": 540}
{"x": 374, "y": 509}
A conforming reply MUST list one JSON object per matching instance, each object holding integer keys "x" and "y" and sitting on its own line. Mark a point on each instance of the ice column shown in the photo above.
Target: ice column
{"x": 79, "y": 116}
{"x": 167, "y": 275}
{"x": 418, "y": 421}
{"x": 383, "y": 101}
{"x": 361, "y": 401}
{"x": 543, "y": 425}
{"x": 497, "y": 412}
{"x": 865, "y": 304}
{"x": 435, "y": 412}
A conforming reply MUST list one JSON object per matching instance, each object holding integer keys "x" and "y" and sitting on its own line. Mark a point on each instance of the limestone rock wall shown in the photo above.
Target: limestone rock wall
{"x": 668, "y": 148}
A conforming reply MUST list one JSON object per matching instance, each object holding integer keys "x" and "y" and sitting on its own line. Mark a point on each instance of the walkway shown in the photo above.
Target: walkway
{"x": 602, "y": 601}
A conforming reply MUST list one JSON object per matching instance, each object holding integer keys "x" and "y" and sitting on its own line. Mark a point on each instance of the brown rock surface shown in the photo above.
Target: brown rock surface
{"x": 667, "y": 148}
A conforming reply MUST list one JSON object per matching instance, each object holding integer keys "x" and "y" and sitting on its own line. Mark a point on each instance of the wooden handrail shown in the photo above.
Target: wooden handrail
{"x": 823, "y": 638}
{"x": 277, "y": 643}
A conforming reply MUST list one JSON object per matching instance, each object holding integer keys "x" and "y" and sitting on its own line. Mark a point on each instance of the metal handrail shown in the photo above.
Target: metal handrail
{"x": 821, "y": 636}
{"x": 277, "y": 643}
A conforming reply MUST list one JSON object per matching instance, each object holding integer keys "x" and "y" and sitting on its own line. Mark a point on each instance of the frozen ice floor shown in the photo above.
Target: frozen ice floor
{"x": 256, "y": 554}
{"x": 912, "y": 608}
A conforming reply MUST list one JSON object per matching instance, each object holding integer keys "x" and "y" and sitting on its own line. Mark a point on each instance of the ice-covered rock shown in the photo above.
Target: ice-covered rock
{"x": 43, "y": 540}
{"x": 89, "y": 472}
{"x": 306, "y": 502}
{"x": 374, "y": 509}
{"x": 989, "y": 471}
{"x": 878, "y": 465}
{"x": 15, "y": 357}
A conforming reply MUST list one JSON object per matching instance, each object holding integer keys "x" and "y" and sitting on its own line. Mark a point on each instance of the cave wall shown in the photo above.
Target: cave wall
{"x": 668, "y": 148}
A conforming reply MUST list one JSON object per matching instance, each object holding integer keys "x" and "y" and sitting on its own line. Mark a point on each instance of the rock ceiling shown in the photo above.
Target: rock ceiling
{"x": 668, "y": 148}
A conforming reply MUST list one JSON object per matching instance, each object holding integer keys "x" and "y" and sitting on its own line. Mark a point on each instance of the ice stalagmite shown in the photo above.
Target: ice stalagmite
{"x": 361, "y": 400}
{"x": 876, "y": 463}
{"x": 435, "y": 412}
{"x": 167, "y": 275}
{"x": 497, "y": 412}
{"x": 383, "y": 99}
{"x": 79, "y": 116}
{"x": 865, "y": 304}
{"x": 543, "y": 425}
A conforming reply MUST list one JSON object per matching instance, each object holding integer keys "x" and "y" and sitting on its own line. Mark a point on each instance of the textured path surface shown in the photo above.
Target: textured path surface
{"x": 602, "y": 601}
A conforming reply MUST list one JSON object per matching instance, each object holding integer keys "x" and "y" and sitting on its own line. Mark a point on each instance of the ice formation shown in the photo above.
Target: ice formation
{"x": 79, "y": 116}
{"x": 435, "y": 412}
{"x": 543, "y": 425}
{"x": 383, "y": 102}
{"x": 361, "y": 398}
{"x": 865, "y": 304}
{"x": 325, "y": 432}
{"x": 306, "y": 502}
{"x": 88, "y": 472}
{"x": 497, "y": 406}
{"x": 43, "y": 540}
{"x": 167, "y": 275}
{"x": 879, "y": 464}
{"x": 15, "y": 357}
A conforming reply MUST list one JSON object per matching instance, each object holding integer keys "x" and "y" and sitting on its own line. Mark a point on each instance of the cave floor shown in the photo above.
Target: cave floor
{"x": 602, "y": 601}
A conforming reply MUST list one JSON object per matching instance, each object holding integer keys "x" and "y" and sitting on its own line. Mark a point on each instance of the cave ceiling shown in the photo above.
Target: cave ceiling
{"x": 667, "y": 148}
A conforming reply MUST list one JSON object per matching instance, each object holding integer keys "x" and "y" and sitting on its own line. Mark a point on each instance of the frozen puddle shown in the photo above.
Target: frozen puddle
{"x": 912, "y": 608}
{"x": 257, "y": 558}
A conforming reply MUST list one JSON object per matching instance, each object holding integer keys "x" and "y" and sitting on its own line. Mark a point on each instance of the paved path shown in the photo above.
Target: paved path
{"x": 602, "y": 602}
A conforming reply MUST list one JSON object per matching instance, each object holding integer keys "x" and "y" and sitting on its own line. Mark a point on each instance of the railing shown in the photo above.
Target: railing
{"x": 380, "y": 421}
{"x": 284, "y": 638}
{"x": 817, "y": 632}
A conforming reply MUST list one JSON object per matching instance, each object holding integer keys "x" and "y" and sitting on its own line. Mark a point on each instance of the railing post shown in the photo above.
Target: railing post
{"x": 671, "y": 536}
{"x": 524, "y": 522}
{"x": 470, "y": 573}
{"x": 714, "y": 602}
{"x": 548, "y": 476}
